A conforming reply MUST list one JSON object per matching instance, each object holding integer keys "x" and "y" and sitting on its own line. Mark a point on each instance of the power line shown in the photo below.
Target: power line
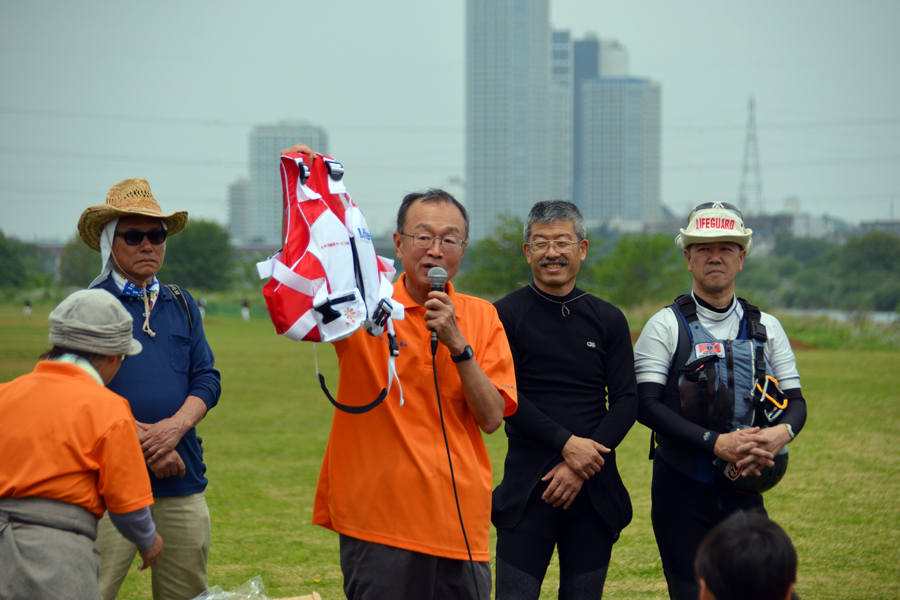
{"x": 187, "y": 162}
{"x": 825, "y": 199}
{"x": 786, "y": 125}
{"x": 217, "y": 123}
{"x": 784, "y": 164}
{"x": 686, "y": 129}
{"x": 193, "y": 162}
{"x": 62, "y": 194}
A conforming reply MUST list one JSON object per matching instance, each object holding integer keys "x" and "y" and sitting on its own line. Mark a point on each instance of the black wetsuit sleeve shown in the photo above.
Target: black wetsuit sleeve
{"x": 657, "y": 416}
{"x": 621, "y": 385}
{"x": 653, "y": 413}
{"x": 795, "y": 413}
{"x": 528, "y": 419}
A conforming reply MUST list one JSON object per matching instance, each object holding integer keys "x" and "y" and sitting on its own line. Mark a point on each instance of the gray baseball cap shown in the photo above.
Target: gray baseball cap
{"x": 93, "y": 321}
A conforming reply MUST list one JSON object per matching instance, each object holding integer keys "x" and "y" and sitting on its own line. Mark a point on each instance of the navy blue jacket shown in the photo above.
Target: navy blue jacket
{"x": 175, "y": 364}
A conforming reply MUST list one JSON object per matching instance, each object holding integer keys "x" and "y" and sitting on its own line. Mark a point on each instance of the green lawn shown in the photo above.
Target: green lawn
{"x": 265, "y": 440}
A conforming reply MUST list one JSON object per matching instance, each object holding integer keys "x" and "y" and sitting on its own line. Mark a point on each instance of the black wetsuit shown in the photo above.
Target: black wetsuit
{"x": 565, "y": 364}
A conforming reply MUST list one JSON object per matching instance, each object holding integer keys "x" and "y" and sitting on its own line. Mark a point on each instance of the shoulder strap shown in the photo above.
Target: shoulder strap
{"x": 757, "y": 331}
{"x": 685, "y": 310}
{"x": 687, "y": 307}
{"x": 183, "y": 301}
{"x": 752, "y": 314}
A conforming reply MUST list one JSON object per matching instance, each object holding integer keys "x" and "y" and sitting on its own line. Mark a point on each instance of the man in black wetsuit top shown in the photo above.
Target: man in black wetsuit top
{"x": 560, "y": 484}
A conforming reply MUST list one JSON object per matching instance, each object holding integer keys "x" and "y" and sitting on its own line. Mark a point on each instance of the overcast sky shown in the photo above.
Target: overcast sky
{"x": 96, "y": 92}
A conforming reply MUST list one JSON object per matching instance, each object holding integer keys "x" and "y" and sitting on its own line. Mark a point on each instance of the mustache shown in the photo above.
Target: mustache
{"x": 553, "y": 261}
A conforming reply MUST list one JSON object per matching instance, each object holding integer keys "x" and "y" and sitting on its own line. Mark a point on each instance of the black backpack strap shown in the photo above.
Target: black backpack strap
{"x": 685, "y": 310}
{"x": 687, "y": 306}
{"x": 176, "y": 291}
{"x": 757, "y": 331}
{"x": 752, "y": 315}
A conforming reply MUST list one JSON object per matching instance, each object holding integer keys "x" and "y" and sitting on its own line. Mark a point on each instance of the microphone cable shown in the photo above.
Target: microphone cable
{"x": 450, "y": 460}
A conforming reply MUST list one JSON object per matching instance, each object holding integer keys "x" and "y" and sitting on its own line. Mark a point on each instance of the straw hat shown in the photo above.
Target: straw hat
{"x": 128, "y": 198}
{"x": 715, "y": 224}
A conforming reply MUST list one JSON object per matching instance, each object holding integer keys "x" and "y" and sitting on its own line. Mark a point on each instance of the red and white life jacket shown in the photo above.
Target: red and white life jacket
{"x": 327, "y": 281}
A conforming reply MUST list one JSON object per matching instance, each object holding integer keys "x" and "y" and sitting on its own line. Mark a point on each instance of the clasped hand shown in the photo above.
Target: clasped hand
{"x": 158, "y": 443}
{"x": 752, "y": 449}
{"x": 584, "y": 456}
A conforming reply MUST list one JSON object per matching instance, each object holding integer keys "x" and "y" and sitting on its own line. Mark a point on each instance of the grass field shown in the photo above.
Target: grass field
{"x": 840, "y": 501}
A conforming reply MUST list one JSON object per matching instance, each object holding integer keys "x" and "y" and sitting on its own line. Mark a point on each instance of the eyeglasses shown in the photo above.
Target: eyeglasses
{"x": 135, "y": 238}
{"x": 450, "y": 243}
{"x": 724, "y": 205}
{"x": 561, "y": 246}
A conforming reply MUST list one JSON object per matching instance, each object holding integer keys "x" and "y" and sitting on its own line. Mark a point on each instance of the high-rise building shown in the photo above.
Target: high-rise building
{"x": 585, "y": 67}
{"x": 613, "y": 60}
{"x": 560, "y": 161}
{"x": 263, "y": 216}
{"x": 620, "y": 151}
{"x": 617, "y": 138}
{"x": 238, "y": 207}
{"x": 550, "y": 117}
{"x": 508, "y": 131}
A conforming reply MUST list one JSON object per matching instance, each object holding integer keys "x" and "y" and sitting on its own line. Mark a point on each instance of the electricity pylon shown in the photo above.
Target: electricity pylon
{"x": 751, "y": 162}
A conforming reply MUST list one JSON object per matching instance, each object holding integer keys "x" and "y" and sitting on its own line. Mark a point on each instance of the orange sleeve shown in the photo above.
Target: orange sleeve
{"x": 496, "y": 361}
{"x": 123, "y": 482}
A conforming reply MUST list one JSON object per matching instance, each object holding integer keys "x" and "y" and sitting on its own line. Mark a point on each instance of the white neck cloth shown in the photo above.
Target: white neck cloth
{"x": 106, "y": 241}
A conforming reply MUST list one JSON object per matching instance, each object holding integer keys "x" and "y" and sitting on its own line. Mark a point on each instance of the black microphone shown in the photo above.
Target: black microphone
{"x": 437, "y": 277}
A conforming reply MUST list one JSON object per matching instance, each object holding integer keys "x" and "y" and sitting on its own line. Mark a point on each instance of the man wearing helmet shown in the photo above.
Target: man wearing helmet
{"x": 707, "y": 335}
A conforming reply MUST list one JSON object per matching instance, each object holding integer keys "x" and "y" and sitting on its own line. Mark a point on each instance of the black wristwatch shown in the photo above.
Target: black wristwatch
{"x": 466, "y": 355}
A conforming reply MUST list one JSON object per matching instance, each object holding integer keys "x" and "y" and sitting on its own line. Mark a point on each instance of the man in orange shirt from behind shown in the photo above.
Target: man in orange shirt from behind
{"x": 70, "y": 452}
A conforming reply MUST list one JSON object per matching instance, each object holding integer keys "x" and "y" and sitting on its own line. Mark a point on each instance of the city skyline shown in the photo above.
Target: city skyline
{"x": 508, "y": 109}
{"x": 265, "y": 199}
{"x": 97, "y": 93}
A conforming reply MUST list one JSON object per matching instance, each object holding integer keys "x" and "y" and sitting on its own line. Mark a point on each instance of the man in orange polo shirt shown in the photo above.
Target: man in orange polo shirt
{"x": 386, "y": 484}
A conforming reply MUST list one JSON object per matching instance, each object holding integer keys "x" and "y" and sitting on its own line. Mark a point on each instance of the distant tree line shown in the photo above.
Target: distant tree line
{"x": 199, "y": 257}
{"x": 863, "y": 274}
{"x": 626, "y": 269}
{"x": 24, "y": 265}
{"x": 634, "y": 269}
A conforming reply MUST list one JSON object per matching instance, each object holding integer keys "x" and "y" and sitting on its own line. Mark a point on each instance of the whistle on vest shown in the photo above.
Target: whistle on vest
{"x": 375, "y": 324}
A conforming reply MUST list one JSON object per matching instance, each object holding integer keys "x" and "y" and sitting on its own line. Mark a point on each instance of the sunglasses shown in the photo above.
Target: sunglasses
{"x": 135, "y": 238}
{"x": 725, "y": 205}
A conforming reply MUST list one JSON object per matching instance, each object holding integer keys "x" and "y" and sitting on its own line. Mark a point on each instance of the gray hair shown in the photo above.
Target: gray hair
{"x": 551, "y": 211}
{"x": 430, "y": 195}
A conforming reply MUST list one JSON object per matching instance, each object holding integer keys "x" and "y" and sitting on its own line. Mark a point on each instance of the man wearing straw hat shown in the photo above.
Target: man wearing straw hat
{"x": 170, "y": 386}
{"x": 70, "y": 451}
{"x": 694, "y": 362}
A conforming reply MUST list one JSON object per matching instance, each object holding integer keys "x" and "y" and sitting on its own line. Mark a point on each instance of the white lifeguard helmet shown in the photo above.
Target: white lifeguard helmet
{"x": 715, "y": 222}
